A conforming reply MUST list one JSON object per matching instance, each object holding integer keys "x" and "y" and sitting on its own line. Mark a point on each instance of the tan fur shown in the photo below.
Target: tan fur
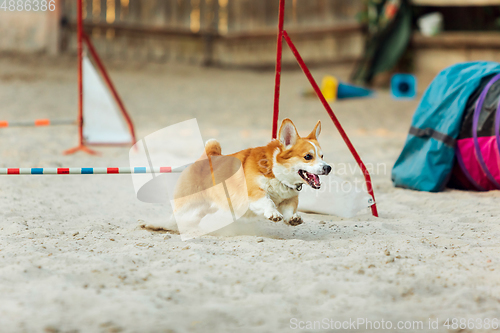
{"x": 267, "y": 194}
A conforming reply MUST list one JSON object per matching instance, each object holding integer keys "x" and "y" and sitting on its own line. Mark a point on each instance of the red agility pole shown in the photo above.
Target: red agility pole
{"x": 82, "y": 37}
{"x": 282, "y": 34}
{"x": 111, "y": 87}
{"x": 277, "y": 81}
{"x": 79, "y": 33}
{"x": 89, "y": 171}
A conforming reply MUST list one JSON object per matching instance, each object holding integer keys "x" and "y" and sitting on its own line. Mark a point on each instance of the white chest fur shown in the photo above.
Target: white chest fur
{"x": 276, "y": 190}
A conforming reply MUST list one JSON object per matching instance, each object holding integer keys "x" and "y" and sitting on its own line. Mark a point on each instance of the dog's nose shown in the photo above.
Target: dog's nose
{"x": 327, "y": 169}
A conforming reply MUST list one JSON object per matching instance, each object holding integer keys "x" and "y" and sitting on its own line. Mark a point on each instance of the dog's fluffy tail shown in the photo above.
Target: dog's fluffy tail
{"x": 212, "y": 148}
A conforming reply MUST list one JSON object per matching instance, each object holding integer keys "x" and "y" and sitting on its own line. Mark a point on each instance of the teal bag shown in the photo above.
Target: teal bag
{"x": 426, "y": 162}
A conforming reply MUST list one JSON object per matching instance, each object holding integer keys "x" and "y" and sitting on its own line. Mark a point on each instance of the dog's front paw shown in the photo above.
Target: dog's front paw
{"x": 295, "y": 220}
{"x": 274, "y": 216}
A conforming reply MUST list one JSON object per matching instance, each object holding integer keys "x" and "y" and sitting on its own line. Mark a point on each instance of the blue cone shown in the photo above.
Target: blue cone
{"x": 403, "y": 86}
{"x": 349, "y": 91}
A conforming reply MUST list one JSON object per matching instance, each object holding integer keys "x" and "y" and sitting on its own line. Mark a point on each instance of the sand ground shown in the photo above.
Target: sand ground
{"x": 73, "y": 257}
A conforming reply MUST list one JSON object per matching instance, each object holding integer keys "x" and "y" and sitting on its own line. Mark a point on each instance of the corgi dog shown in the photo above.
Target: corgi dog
{"x": 273, "y": 176}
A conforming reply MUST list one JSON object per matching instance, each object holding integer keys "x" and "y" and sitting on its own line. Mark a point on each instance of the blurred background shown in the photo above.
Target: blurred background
{"x": 242, "y": 33}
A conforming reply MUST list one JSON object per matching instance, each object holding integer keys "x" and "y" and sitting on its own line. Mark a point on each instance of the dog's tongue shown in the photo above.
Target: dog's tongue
{"x": 315, "y": 179}
{"x": 311, "y": 179}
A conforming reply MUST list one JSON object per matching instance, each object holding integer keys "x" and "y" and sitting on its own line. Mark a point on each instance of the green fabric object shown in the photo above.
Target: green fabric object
{"x": 389, "y": 32}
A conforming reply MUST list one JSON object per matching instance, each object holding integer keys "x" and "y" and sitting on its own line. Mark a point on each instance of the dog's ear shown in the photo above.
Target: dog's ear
{"x": 315, "y": 132}
{"x": 288, "y": 133}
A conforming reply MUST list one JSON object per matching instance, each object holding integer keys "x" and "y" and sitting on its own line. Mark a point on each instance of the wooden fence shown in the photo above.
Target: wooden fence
{"x": 225, "y": 32}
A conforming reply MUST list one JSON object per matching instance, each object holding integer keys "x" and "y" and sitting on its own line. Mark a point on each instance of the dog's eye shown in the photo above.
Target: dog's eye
{"x": 321, "y": 156}
{"x": 308, "y": 157}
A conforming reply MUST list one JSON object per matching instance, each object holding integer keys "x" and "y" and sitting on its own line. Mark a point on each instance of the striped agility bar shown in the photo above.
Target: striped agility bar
{"x": 37, "y": 122}
{"x": 88, "y": 171}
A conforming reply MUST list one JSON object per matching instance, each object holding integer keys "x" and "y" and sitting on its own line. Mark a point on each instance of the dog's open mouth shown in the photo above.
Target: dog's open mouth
{"x": 310, "y": 178}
